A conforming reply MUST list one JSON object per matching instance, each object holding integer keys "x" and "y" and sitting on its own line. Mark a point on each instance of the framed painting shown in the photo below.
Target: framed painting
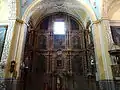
{"x": 115, "y": 30}
{"x": 3, "y": 30}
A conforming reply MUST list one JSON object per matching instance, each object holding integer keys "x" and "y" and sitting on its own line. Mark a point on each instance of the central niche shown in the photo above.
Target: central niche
{"x": 59, "y": 31}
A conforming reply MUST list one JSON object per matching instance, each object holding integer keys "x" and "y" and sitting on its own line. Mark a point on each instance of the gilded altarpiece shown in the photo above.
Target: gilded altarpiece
{"x": 57, "y": 61}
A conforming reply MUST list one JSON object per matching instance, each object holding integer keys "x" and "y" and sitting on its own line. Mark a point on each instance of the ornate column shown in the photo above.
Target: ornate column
{"x": 100, "y": 75}
{"x": 102, "y": 25}
{"x": 105, "y": 42}
{"x": 7, "y": 57}
{"x": 102, "y": 41}
{"x": 108, "y": 36}
{"x": 12, "y": 19}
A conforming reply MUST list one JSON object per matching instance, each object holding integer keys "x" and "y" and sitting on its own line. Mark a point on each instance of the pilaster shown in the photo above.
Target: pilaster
{"x": 98, "y": 52}
{"x": 11, "y": 19}
{"x": 106, "y": 42}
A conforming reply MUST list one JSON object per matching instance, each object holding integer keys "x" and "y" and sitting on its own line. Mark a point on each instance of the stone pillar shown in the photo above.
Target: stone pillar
{"x": 106, "y": 26}
{"x": 100, "y": 74}
{"x": 107, "y": 83}
{"x": 12, "y": 19}
{"x": 105, "y": 38}
{"x": 6, "y": 57}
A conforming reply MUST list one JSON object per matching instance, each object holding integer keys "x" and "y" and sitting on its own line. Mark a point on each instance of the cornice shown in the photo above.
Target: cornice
{"x": 100, "y": 20}
{"x": 114, "y": 22}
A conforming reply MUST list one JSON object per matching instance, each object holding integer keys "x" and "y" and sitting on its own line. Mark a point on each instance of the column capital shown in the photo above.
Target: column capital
{"x": 19, "y": 20}
{"x": 100, "y": 20}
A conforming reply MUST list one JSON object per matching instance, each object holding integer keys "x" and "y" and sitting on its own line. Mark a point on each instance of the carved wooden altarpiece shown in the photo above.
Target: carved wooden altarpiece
{"x": 58, "y": 61}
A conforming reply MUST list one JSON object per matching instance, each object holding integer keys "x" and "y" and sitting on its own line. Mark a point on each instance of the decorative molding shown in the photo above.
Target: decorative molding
{"x": 114, "y": 22}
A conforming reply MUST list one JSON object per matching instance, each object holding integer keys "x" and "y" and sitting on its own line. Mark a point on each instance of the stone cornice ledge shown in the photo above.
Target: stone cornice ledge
{"x": 114, "y": 22}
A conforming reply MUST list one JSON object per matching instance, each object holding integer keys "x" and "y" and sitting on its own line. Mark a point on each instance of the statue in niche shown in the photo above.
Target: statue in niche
{"x": 92, "y": 63}
{"x": 42, "y": 42}
{"x": 59, "y": 83}
{"x": 30, "y": 23}
{"x": 76, "y": 42}
{"x": 59, "y": 63}
{"x": 117, "y": 59}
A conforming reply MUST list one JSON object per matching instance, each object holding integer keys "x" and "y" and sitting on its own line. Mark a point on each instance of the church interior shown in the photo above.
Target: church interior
{"x": 59, "y": 45}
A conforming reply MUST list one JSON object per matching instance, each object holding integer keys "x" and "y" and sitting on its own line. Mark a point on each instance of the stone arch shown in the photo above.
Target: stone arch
{"x": 78, "y": 21}
{"x": 30, "y": 11}
{"x": 84, "y": 6}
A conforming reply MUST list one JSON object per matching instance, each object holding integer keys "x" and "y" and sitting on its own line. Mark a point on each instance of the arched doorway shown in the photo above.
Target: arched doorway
{"x": 58, "y": 58}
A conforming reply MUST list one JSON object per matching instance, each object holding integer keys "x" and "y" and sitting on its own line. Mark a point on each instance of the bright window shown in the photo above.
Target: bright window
{"x": 59, "y": 28}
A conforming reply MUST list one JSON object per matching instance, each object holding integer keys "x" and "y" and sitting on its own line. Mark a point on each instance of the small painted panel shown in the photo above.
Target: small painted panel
{"x": 59, "y": 41}
{"x": 76, "y": 42}
{"x": 41, "y": 42}
{"x": 116, "y": 34}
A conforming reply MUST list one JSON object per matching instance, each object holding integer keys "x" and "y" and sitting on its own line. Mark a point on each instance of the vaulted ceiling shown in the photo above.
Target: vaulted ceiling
{"x": 72, "y": 7}
{"x": 113, "y": 9}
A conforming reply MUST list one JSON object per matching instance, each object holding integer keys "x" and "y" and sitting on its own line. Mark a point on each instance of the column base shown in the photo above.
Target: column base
{"x": 107, "y": 85}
